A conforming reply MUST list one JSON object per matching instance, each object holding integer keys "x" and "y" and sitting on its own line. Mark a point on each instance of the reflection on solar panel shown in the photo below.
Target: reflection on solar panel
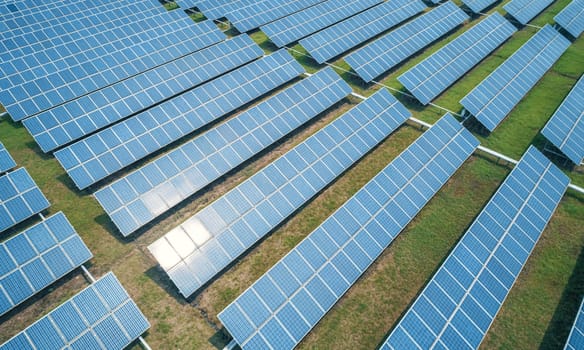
{"x": 259, "y": 13}
{"x": 205, "y": 244}
{"x": 138, "y": 198}
{"x": 432, "y": 76}
{"x": 37, "y": 257}
{"x": 497, "y": 95}
{"x": 345, "y": 35}
{"x": 300, "y": 24}
{"x": 457, "y": 307}
{"x": 576, "y": 337}
{"x": 6, "y": 161}
{"x": 525, "y": 10}
{"x": 478, "y": 5}
{"x": 67, "y": 69}
{"x": 79, "y": 117}
{"x": 280, "y": 308}
{"x": 20, "y": 198}
{"x": 565, "y": 129}
{"x": 571, "y": 18}
{"x": 391, "y": 49}
{"x": 102, "y": 316}
{"x": 110, "y": 150}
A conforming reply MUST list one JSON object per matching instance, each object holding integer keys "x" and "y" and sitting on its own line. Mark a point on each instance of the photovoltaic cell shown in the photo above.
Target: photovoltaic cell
{"x": 6, "y": 160}
{"x": 341, "y": 37}
{"x": 79, "y": 117}
{"x": 391, "y": 49}
{"x": 478, "y": 5}
{"x": 300, "y": 24}
{"x": 432, "y": 76}
{"x": 457, "y": 307}
{"x": 20, "y": 198}
{"x": 102, "y": 154}
{"x": 214, "y": 9}
{"x": 565, "y": 129}
{"x": 494, "y": 98}
{"x": 206, "y": 243}
{"x": 140, "y": 197}
{"x": 102, "y": 316}
{"x": 576, "y": 337}
{"x": 525, "y": 10}
{"x": 37, "y": 257}
{"x": 571, "y": 18}
{"x": 283, "y": 305}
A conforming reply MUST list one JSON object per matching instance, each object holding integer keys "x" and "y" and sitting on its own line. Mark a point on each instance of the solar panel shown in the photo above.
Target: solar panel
{"x": 565, "y": 129}
{"x": 214, "y": 9}
{"x": 571, "y": 18}
{"x": 258, "y": 13}
{"x": 20, "y": 198}
{"x": 206, "y": 243}
{"x": 283, "y": 305}
{"x": 79, "y": 117}
{"x": 432, "y": 76}
{"x": 6, "y": 160}
{"x": 102, "y": 154}
{"x": 68, "y": 69}
{"x": 300, "y": 24}
{"x": 341, "y": 37}
{"x": 37, "y": 257}
{"x": 477, "y": 6}
{"x": 525, "y": 10}
{"x": 102, "y": 316}
{"x": 458, "y": 305}
{"x": 391, "y": 49}
{"x": 576, "y": 337}
{"x": 140, "y": 197}
{"x": 497, "y": 95}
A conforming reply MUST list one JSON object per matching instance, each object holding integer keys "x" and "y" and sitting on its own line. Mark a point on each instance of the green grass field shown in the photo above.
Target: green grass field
{"x": 538, "y": 312}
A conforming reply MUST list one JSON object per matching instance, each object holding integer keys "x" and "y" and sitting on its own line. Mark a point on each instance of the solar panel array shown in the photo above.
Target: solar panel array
{"x": 20, "y": 198}
{"x": 477, "y": 6}
{"x": 432, "y": 76}
{"x": 281, "y": 307}
{"x": 206, "y": 243}
{"x": 576, "y": 337}
{"x": 497, "y": 95}
{"x": 102, "y": 316}
{"x": 565, "y": 129}
{"x": 79, "y": 117}
{"x": 571, "y": 18}
{"x": 6, "y": 160}
{"x": 300, "y": 24}
{"x": 391, "y": 49}
{"x": 213, "y": 9}
{"x": 102, "y": 154}
{"x": 140, "y": 197}
{"x": 457, "y": 307}
{"x": 525, "y": 10}
{"x": 335, "y": 40}
{"x": 37, "y": 257}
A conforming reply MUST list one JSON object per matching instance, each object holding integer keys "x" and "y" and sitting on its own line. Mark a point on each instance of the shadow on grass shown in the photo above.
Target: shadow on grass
{"x": 156, "y": 274}
{"x": 220, "y": 339}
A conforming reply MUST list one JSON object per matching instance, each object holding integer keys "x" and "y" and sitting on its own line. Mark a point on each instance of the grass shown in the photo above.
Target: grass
{"x": 537, "y": 314}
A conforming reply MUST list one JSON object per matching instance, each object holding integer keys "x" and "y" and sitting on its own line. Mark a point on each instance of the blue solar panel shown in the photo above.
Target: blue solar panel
{"x": 432, "y": 76}
{"x": 140, "y": 197}
{"x": 571, "y": 18}
{"x": 478, "y": 5}
{"x": 102, "y": 316}
{"x": 37, "y": 257}
{"x": 525, "y": 10}
{"x": 391, "y": 49}
{"x": 258, "y": 13}
{"x": 205, "y": 244}
{"x": 213, "y": 9}
{"x": 20, "y": 198}
{"x": 281, "y": 307}
{"x": 79, "y": 117}
{"x": 576, "y": 338}
{"x": 565, "y": 129}
{"x": 102, "y": 154}
{"x": 6, "y": 160}
{"x": 497, "y": 95}
{"x": 345, "y": 35}
{"x": 95, "y": 57}
{"x": 300, "y": 24}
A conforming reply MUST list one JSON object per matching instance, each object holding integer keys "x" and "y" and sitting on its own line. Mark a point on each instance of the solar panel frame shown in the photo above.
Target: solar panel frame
{"x": 526, "y": 10}
{"x": 478, "y": 6}
{"x": 6, "y": 160}
{"x": 576, "y": 337}
{"x": 571, "y": 18}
